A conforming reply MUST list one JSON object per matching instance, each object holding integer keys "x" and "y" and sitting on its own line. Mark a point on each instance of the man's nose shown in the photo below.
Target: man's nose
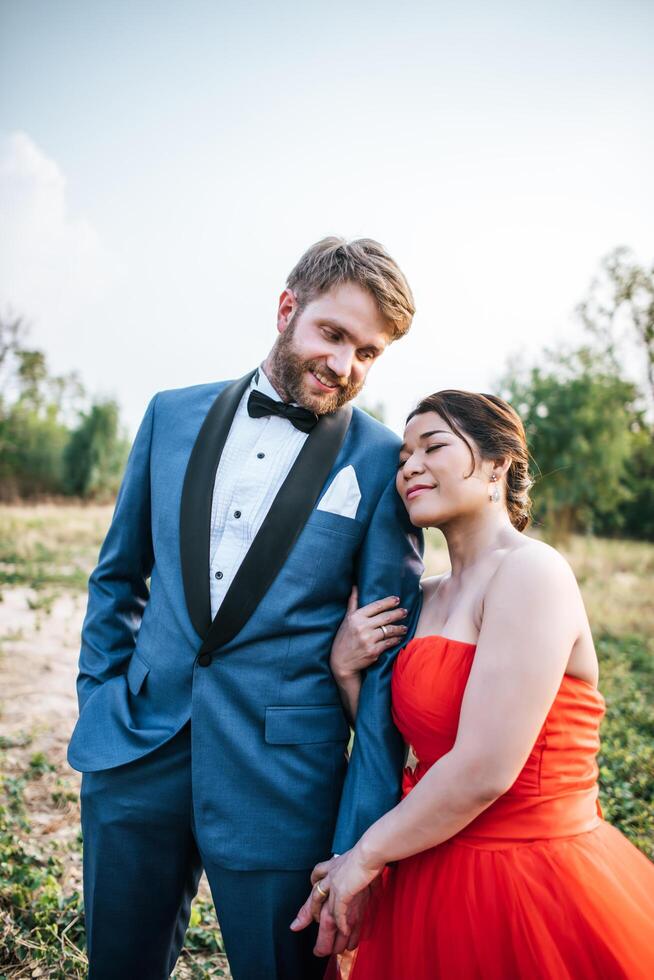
{"x": 340, "y": 363}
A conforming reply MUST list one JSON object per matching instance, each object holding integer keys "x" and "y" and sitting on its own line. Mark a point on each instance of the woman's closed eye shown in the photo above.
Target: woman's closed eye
{"x": 429, "y": 449}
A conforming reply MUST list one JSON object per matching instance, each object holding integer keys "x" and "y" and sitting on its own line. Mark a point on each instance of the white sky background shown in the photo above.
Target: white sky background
{"x": 164, "y": 164}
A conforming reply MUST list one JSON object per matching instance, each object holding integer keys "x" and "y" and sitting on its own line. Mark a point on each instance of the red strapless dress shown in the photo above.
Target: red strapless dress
{"x": 539, "y": 886}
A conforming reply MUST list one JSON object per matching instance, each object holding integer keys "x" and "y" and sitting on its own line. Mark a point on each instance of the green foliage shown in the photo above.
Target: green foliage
{"x": 203, "y": 956}
{"x": 589, "y": 426}
{"x": 619, "y": 312}
{"x": 40, "y": 927}
{"x": 39, "y": 765}
{"x": 626, "y": 759}
{"x": 41, "y": 924}
{"x": 636, "y": 513}
{"x": 95, "y": 455}
{"x": 42, "y": 450}
{"x": 578, "y": 416}
{"x": 32, "y": 444}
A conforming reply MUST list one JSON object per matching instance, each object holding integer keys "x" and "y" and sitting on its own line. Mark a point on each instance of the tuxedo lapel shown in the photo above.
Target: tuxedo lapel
{"x": 197, "y": 496}
{"x": 280, "y": 529}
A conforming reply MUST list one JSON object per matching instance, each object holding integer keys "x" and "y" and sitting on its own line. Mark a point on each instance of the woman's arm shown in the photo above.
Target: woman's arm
{"x": 359, "y": 643}
{"x": 532, "y": 617}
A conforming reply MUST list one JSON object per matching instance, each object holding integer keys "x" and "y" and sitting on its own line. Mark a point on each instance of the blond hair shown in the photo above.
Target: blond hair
{"x": 333, "y": 261}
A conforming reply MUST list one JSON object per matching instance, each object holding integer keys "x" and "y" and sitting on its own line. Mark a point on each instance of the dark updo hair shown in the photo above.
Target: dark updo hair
{"x": 498, "y": 432}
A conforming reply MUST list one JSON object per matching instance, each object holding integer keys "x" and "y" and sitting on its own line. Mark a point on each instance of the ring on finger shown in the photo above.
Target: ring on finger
{"x": 320, "y": 889}
{"x": 384, "y": 632}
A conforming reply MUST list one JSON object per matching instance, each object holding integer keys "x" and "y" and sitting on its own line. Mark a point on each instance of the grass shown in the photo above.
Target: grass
{"x": 51, "y": 549}
{"x": 41, "y": 919}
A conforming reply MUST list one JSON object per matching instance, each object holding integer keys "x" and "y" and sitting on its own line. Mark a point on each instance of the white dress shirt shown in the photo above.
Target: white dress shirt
{"x": 255, "y": 461}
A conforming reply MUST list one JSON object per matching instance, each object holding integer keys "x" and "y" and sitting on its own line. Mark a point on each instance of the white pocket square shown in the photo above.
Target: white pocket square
{"x": 343, "y": 495}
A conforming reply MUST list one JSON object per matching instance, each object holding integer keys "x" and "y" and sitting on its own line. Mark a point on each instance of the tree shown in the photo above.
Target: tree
{"x": 578, "y": 415}
{"x": 619, "y": 312}
{"x": 48, "y": 445}
{"x": 636, "y": 513}
{"x": 32, "y": 433}
{"x": 95, "y": 455}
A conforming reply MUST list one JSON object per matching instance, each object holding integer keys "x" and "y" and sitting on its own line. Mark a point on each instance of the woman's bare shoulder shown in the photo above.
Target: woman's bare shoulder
{"x": 533, "y": 564}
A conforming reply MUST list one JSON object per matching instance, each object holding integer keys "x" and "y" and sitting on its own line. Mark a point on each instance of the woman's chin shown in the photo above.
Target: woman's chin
{"x": 421, "y": 517}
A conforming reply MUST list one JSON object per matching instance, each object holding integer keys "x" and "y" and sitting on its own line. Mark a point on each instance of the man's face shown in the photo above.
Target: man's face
{"x": 325, "y": 350}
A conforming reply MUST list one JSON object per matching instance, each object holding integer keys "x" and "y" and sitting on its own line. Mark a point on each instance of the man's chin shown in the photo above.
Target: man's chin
{"x": 316, "y": 401}
{"x": 320, "y": 404}
{"x": 302, "y": 391}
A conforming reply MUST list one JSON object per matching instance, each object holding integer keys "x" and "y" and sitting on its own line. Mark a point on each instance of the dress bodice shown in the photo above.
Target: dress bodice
{"x": 538, "y": 885}
{"x": 555, "y": 794}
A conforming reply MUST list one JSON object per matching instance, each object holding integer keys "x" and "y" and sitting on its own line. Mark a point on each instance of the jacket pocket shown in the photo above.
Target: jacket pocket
{"x": 309, "y": 723}
{"x": 137, "y": 671}
{"x": 325, "y": 520}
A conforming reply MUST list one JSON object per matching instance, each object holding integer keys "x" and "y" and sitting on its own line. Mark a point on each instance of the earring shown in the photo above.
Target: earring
{"x": 494, "y": 492}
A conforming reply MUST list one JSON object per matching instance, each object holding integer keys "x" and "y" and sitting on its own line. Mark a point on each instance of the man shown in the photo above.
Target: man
{"x": 210, "y": 731}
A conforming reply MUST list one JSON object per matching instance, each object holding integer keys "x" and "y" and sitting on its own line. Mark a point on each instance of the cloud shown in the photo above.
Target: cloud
{"x": 53, "y": 265}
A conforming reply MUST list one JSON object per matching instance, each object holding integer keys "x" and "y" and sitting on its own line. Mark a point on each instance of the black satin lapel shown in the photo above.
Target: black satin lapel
{"x": 281, "y": 528}
{"x": 197, "y": 495}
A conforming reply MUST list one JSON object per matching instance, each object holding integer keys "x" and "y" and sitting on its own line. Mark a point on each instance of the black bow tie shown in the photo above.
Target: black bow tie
{"x": 260, "y": 405}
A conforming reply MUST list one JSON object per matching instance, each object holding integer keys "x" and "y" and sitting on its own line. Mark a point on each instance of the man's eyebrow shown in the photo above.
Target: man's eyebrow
{"x": 327, "y": 322}
{"x": 425, "y": 435}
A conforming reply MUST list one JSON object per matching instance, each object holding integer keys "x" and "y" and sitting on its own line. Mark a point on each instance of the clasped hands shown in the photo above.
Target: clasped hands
{"x": 338, "y": 904}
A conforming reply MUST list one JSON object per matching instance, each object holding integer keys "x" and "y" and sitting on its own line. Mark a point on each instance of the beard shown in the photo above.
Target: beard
{"x": 287, "y": 373}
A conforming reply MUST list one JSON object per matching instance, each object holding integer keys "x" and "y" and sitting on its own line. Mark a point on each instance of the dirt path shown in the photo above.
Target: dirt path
{"x": 39, "y": 645}
{"x": 39, "y": 648}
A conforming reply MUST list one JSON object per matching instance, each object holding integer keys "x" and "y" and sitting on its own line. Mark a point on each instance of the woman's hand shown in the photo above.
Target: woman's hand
{"x": 342, "y": 885}
{"x": 365, "y": 633}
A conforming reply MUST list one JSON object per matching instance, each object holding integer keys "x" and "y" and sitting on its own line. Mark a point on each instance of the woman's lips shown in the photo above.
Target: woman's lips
{"x": 414, "y": 491}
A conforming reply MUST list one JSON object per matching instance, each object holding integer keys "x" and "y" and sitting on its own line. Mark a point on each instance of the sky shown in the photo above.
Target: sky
{"x": 163, "y": 165}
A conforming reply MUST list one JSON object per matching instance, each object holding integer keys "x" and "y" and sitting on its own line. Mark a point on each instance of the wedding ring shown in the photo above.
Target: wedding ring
{"x": 322, "y": 890}
{"x": 384, "y": 632}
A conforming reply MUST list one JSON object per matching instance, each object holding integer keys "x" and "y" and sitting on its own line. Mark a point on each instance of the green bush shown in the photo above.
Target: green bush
{"x": 95, "y": 454}
{"x": 626, "y": 758}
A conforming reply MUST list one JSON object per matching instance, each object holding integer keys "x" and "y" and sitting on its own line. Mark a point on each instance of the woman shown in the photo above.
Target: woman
{"x": 496, "y": 863}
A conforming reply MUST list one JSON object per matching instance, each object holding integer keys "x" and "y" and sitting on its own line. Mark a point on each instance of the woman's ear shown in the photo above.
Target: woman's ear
{"x": 500, "y": 468}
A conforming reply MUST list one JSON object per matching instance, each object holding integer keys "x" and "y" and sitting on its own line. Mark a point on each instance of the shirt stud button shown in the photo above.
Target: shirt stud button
{"x": 237, "y": 513}
{"x": 218, "y": 575}
{"x": 261, "y": 455}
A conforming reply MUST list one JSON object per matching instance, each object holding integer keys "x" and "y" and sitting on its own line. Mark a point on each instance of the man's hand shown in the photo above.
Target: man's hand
{"x": 330, "y": 938}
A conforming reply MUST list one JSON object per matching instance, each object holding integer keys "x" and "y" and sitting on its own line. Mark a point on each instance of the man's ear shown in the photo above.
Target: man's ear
{"x": 288, "y": 305}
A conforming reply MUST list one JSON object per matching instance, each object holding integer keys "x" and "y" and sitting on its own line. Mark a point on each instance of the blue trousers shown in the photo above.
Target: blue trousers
{"x": 142, "y": 865}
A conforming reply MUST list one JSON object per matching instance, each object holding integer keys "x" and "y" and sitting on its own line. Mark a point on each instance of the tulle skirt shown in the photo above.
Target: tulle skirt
{"x": 570, "y": 908}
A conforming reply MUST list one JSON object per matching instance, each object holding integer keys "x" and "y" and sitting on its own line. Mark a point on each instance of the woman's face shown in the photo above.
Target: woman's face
{"x": 434, "y": 478}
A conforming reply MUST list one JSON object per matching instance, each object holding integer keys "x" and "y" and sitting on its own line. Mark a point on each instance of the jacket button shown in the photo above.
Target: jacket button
{"x": 204, "y": 659}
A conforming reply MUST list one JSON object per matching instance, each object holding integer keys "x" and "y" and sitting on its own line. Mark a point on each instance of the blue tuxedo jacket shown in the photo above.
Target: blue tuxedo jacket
{"x": 271, "y": 785}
